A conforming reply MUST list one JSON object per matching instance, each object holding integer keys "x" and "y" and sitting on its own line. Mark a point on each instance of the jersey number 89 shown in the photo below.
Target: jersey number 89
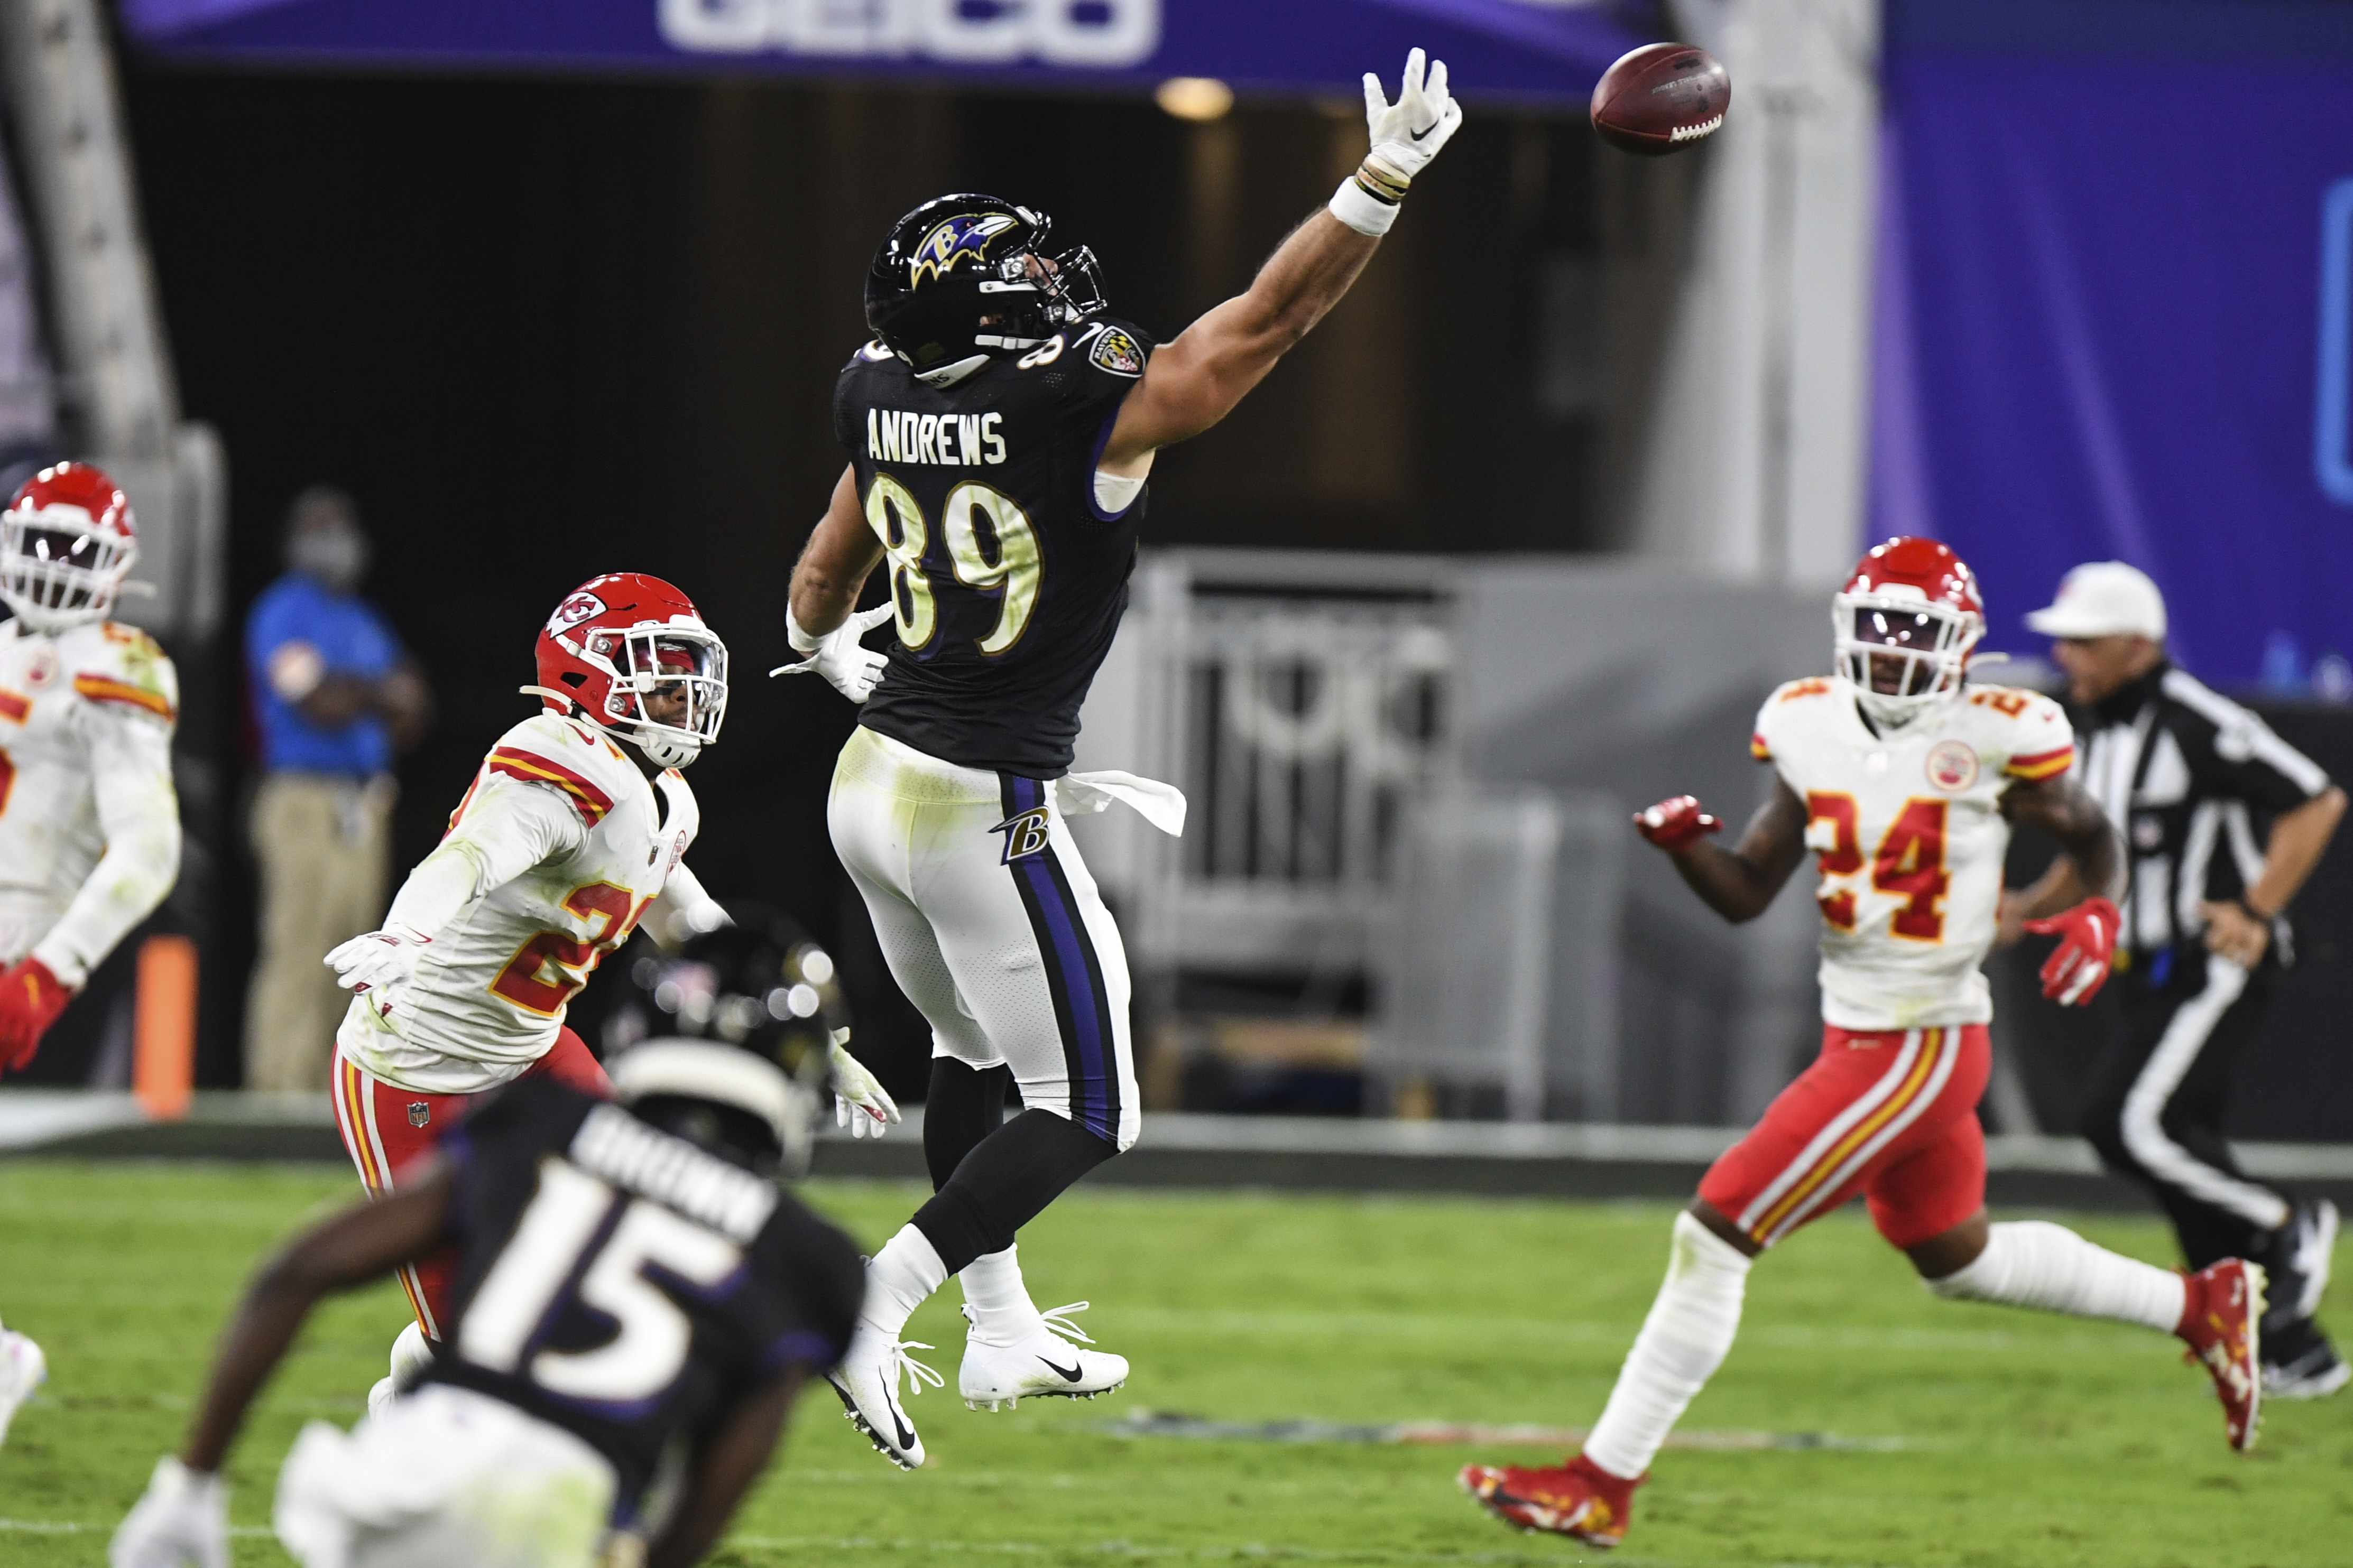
{"x": 555, "y": 1237}
{"x": 990, "y": 547}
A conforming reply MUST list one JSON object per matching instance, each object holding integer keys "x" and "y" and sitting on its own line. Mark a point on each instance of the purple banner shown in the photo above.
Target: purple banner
{"x": 1536, "y": 50}
{"x": 2112, "y": 324}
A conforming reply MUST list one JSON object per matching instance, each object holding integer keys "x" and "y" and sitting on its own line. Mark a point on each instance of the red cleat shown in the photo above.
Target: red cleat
{"x": 2221, "y": 1317}
{"x": 1580, "y": 1498}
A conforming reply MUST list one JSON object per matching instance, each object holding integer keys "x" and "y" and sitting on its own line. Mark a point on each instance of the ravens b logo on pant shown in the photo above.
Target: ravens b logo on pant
{"x": 1024, "y": 834}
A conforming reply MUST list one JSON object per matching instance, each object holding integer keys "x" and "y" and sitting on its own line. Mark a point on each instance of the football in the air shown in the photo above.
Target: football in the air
{"x": 1660, "y": 98}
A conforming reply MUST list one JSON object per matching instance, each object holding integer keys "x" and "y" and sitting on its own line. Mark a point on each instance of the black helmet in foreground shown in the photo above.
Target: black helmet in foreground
{"x": 738, "y": 1029}
{"x": 964, "y": 277}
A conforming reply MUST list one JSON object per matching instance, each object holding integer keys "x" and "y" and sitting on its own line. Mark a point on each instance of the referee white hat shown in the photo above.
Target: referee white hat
{"x": 2103, "y": 598}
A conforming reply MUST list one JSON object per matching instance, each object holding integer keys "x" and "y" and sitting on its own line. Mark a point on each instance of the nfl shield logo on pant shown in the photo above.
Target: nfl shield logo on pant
{"x": 419, "y": 1112}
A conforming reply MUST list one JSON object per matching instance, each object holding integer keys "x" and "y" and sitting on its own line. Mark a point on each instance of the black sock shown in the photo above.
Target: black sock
{"x": 967, "y": 1105}
{"x": 1006, "y": 1180}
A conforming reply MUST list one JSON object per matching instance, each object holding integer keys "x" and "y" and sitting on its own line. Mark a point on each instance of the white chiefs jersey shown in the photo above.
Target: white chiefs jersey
{"x": 89, "y": 825}
{"x": 550, "y": 862}
{"x": 1908, "y": 834}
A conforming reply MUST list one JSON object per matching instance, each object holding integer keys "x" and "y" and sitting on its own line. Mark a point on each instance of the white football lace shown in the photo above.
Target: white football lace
{"x": 895, "y": 1360}
{"x": 1057, "y": 1320}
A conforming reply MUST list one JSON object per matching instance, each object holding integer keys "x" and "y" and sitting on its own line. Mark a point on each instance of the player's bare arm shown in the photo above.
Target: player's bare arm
{"x": 2091, "y": 858}
{"x": 725, "y": 1464}
{"x": 841, "y": 553}
{"x": 1738, "y": 883}
{"x": 2242, "y": 932}
{"x": 1203, "y": 374}
{"x": 1200, "y": 376}
{"x": 358, "y": 1247}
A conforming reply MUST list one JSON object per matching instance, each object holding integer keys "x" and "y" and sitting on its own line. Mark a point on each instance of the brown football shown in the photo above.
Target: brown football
{"x": 1660, "y": 98}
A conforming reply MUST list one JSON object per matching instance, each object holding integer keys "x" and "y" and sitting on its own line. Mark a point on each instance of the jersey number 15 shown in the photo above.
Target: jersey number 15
{"x": 556, "y": 1238}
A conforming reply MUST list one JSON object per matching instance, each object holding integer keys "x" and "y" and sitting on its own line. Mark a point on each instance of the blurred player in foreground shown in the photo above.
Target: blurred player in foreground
{"x": 2188, "y": 775}
{"x": 89, "y": 825}
{"x": 632, "y": 1291}
{"x": 576, "y": 827}
{"x": 1001, "y": 427}
{"x": 1904, "y": 781}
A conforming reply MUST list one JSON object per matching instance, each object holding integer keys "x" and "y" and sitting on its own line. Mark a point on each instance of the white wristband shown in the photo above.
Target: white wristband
{"x": 1355, "y": 207}
{"x": 802, "y": 642}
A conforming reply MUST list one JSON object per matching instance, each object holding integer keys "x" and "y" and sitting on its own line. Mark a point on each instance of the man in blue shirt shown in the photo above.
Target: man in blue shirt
{"x": 336, "y": 697}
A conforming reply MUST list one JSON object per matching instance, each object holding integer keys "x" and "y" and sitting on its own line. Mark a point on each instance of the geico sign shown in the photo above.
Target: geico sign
{"x": 1097, "y": 32}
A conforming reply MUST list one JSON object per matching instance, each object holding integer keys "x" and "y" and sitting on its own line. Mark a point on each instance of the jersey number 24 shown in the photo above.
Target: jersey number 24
{"x": 990, "y": 547}
{"x": 1910, "y": 862}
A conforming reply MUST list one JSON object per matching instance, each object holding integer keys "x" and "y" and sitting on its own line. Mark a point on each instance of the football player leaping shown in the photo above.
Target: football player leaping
{"x": 90, "y": 827}
{"x": 1000, "y": 429}
{"x": 1904, "y": 781}
{"x": 577, "y": 822}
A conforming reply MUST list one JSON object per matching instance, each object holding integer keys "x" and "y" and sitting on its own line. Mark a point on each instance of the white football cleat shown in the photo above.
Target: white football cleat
{"x": 1046, "y": 1363}
{"x": 23, "y": 1369}
{"x": 412, "y": 1357}
{"x": 868, "y": 1381}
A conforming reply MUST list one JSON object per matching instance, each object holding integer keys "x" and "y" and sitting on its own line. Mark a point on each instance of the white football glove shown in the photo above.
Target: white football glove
{"x": 855, "y": 1089}
{"x": 181, "y": 1518}
{"x": 853, "y": 668}
{"x": 380, "y": 961}
{"x": 1409, "y": 133}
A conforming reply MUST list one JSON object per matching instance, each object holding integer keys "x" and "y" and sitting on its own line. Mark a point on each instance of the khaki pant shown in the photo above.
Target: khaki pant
{"x": 323, "y": 844}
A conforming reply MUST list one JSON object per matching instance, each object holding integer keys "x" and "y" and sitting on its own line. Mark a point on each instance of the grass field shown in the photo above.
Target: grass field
{"x": 2005, "y": 1438}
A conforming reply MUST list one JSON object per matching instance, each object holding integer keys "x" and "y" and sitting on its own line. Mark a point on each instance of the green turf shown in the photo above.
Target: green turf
{"x": 2024, "y": 1439}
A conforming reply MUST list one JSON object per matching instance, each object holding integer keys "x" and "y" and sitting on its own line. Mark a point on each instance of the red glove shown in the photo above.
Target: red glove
{"x": 1675, "y": 824}
{"x": 30, "y": 1000}
{"x": 2075, "y": 974}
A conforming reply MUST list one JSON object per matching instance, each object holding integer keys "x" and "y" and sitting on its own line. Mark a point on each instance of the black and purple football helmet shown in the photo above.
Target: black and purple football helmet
{"x": 968, "y": 276}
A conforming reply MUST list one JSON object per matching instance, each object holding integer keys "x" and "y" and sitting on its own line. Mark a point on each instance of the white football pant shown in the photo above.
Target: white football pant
{"x": 992, "y": 926}
{"x": 444, "y": 1477}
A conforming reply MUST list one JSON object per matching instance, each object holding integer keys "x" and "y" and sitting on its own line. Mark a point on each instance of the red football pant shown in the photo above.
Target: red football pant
{"x": 385, "y": 1128}
{"x": 1891, "y": 1114}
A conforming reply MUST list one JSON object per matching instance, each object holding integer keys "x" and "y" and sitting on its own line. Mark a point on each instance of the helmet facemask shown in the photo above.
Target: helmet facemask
{"x": 58, "y": 569}
{"x": 667, "y": 692}
{"x": 1901, "y": 652}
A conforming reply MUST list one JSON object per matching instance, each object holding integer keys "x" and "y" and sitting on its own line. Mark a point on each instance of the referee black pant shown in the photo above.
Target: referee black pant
{"x": 2158, "y": 1095}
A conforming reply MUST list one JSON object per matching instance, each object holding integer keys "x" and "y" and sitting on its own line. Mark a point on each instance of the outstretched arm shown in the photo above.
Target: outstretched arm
{"x": 363, "y": 1243}
{"x": 1200, "y": 376}
{"x": 1739, "y": 882}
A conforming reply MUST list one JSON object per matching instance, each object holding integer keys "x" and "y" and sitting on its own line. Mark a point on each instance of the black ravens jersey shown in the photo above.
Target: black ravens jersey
{"x": 624, "y": 1285}
{"x": 1007, "y": 578}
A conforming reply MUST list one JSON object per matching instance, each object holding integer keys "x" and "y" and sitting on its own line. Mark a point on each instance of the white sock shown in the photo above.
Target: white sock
{"x": 1683, "y": 1342}
{"x": 1002, "y": 1313}
{"x": 897, "y": 1279}
{"x": 2033, "y": 1263}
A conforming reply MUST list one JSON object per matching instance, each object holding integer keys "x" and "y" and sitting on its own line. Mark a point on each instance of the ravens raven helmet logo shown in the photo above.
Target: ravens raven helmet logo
{"x": 965, "y": 235}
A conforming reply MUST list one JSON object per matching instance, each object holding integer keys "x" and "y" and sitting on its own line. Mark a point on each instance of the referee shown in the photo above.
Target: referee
{"x": 2225, "y": 821}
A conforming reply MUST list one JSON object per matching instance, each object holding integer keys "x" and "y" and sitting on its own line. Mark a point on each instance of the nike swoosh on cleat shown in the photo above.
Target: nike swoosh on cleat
{"x": 906, "y": 1439}
{"x": 1068, "y": 1374}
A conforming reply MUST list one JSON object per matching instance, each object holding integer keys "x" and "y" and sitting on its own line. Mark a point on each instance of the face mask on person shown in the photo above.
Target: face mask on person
{"x": 334, "y": 555}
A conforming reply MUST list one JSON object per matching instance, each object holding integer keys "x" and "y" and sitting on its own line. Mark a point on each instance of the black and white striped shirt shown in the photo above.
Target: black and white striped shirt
{"x": 2189, "y": 777}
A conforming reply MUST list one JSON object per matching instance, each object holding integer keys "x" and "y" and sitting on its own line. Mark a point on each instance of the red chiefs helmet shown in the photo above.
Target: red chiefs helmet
{"x": 1902, "y": 629}
{"x": 630, "y": 654}
{"x": 66, "y": 542}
